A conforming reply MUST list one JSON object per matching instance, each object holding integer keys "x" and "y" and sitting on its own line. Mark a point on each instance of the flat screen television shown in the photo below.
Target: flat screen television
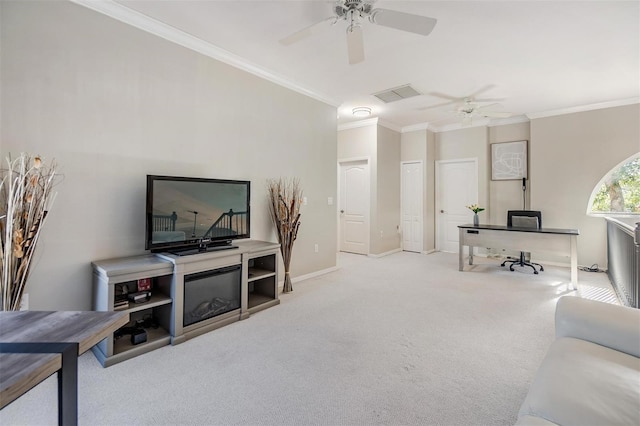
{"x": 187, "y": 213}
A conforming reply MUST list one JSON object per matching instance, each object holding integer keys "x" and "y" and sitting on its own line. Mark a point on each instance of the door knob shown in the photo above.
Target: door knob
{"x": 341, "y": 211}
{"x": 441, "y": 211}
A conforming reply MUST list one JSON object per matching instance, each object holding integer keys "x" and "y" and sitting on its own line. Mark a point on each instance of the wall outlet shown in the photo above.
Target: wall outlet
{"x": 304, "y": 201}
{"x": 24, "y": 303}
{"x": 315, "y": 248}
{"x": 330, "y": 201}
{"x": 381, "y": 234}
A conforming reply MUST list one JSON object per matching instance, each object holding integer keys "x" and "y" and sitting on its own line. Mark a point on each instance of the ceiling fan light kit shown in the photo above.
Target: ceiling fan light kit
{"x": 355, "y": 12}
{"x": 361, "y": 112}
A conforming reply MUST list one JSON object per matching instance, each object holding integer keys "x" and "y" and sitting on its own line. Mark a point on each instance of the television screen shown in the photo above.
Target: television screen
{"x": 184, "y": 212}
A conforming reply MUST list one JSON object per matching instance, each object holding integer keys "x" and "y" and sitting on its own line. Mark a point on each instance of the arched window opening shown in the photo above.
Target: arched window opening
{"x": 618, "y": 193}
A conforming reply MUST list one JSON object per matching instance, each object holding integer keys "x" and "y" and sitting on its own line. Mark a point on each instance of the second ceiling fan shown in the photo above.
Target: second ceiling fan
{"x": 470, "y": 109}
{"x": 469, "y": 106}
{"x": 355, "y": 12}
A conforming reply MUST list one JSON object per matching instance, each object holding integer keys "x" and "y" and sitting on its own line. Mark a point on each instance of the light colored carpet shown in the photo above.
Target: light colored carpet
{"x": 405, "y": 339}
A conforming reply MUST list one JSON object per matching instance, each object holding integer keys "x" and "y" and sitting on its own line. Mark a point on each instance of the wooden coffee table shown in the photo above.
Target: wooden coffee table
{"x": 36, "y": 344}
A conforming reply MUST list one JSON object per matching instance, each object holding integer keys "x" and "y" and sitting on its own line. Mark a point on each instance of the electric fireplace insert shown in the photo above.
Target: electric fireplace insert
{"x": 211, "y": 293}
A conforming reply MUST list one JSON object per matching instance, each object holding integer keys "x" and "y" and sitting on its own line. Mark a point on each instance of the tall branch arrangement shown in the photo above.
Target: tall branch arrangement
{"x": 25, "y": 198}
{"x": 285, "y": 198}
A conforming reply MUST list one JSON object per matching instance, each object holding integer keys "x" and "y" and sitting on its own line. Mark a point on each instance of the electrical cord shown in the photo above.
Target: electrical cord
{"x": 592, "y": 268}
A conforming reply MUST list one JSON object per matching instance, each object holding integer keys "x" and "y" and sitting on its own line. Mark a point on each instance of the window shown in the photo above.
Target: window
{"x": 619, "y": 191}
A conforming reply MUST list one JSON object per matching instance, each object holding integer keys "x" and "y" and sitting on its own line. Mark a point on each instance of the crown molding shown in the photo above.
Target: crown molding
{"x": 416, "y": 127}
{"x": 145, "y": 23}
{"x": 583, "y": 108}
{"x": 369, "y": 122}
{"x": 477, "y": 122}
{"x": 524, "y": 118}
{"x": 358, "y": 123}
{"x": 516, "y": 119}
{"x": 390, "y": 126}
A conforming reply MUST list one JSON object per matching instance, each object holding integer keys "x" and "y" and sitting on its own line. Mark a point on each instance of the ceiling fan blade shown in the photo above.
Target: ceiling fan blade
{"x": 482, "y": 107}
{"x": 305, "y": 32}
{"x": 481, "y": 90}
{"x": 486, "y": 100}
{"x": 355, "y": 44}
{"x": 434, "y": 106}
{"x": 445, "y": 96}
{"x": 403, "y": 21}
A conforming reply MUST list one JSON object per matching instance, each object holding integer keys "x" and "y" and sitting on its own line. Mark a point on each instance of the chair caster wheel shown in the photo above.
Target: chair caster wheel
{"x": 511, "y": 268}
{"x": 535, "y": 272}
{"x": 541, "y": 268}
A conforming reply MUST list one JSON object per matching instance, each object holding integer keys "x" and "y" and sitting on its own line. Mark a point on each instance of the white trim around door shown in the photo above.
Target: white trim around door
{"x": 456, "y": 187}
{"x": 412, "y": 205}
{"x": 354, "y": 205}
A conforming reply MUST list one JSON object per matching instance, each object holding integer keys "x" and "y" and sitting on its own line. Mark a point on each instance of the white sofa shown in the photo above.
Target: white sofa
{"x": 591, "y": 373}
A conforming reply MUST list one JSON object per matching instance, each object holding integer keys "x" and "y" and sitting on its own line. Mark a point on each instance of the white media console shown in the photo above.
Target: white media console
{"x": 253, "y": 266}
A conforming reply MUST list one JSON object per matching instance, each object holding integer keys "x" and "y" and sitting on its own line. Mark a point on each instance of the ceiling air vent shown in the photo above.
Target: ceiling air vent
{"x": 397, "y": 94}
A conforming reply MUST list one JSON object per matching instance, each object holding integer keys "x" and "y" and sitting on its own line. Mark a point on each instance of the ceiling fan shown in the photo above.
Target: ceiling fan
{"x": 470, "y": 109}
{"x": 354, "y": 12}
{"x": 469, "y": 106}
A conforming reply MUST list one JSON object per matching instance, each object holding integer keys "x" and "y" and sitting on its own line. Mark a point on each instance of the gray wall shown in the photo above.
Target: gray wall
{"x": 507, "y": 195}
{"x": 419, "y": 145}
{"x": 471, "y": 142}
{"x": 386, "y": 236}
{"x": 112, "y": 103}
{"x": 361, "y": 143}
{"x": 381, "y": 146}
{"x": 569, "y": 155}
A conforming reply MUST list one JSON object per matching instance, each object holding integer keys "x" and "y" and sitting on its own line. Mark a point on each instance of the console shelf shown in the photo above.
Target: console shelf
{"x": 256, "y": 274}
{"x": 156, "y": 300}
{"x": 155, "y": 337}
{"x": 262, "y": 282}
{"x": 163, "y": 316}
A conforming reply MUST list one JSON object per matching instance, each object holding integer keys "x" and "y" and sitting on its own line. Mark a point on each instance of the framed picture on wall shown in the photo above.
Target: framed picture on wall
{"x": 509, "y": 160}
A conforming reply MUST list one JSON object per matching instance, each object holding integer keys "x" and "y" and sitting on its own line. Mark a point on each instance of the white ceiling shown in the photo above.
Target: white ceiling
{"x": 537, "y": 56}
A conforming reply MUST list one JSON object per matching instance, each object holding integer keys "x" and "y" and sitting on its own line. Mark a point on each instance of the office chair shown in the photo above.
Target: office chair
{"x": 523, "y": 219}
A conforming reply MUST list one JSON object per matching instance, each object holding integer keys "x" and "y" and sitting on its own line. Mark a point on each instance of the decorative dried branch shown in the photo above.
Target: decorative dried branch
{"x": 285, "y": 199}
{"x": 25, "y": 199}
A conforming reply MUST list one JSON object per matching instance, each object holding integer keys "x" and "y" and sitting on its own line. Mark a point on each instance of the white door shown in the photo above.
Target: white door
{"x": 456, "y": 188}
{"x": 354, "y": 207}
{"x": 411, "y": 208}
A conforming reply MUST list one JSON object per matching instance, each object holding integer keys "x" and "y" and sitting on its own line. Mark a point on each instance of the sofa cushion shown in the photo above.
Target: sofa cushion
{"x": 614, "y": 326}
{"x": 583, "y": 383}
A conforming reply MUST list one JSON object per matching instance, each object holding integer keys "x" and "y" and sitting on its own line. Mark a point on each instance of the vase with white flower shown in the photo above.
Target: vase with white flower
{"x": 475, "y": 209}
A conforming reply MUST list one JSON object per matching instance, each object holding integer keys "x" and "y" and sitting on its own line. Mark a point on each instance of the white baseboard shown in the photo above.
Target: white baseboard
{"x": 309, "y": 276}
{"x": 429, "y": 251}
{"x": 387, "y": 253}
{"x": 314, "y": 274}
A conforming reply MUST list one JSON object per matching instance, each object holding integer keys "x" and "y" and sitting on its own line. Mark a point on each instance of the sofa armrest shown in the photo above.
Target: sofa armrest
{"x": 613, "y": 326}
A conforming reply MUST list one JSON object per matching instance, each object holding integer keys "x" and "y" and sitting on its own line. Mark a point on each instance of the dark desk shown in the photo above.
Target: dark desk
{"x": 563, "y": 242}
{"x": 36, "y": 344}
